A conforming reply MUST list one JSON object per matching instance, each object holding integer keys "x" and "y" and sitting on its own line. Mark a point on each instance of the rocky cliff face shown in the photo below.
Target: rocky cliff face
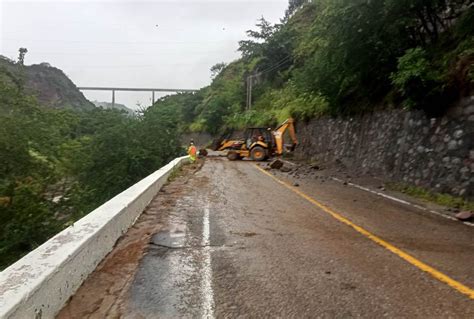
{"x": 401, "y": 146}
{"x": 49, "y": 84}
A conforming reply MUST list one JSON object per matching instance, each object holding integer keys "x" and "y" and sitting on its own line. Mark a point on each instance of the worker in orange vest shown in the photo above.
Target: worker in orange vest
{"x": 192, "y": 152}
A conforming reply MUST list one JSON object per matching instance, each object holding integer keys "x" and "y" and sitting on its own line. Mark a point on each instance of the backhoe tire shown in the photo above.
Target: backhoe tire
{"x": 233, "y": 156}
{"x": 258, "y": 153}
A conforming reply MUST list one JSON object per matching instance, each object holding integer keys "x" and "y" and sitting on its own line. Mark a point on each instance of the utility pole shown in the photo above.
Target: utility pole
{"x": 113, "y": 98}
{"x": 249, "y": 91}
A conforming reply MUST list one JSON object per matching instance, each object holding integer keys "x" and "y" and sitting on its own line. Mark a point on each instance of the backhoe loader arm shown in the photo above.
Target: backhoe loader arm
{"x": 280, "y": 131}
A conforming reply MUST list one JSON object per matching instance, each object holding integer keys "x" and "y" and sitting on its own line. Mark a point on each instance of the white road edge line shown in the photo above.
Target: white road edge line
{"x": 206, "y": 282}
{"x": 401, "y": 201}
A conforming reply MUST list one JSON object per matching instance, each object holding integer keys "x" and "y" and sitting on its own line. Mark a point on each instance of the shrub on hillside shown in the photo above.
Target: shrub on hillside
{"x": 416, "y": 78}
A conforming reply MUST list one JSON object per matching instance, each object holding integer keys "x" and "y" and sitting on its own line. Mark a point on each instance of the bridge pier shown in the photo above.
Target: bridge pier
{"x": 152, "y": 90}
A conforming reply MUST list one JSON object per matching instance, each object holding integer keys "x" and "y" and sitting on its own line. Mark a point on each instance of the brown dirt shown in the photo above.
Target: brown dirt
{"x": 101, "y": 294}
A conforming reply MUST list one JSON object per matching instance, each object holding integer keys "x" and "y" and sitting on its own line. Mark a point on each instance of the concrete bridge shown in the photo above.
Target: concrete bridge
{"x": 152, "y": 90}
{"x": 235, "y": 239}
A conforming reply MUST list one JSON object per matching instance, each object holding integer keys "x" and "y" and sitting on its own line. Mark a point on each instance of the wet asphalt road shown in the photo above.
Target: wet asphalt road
{"x": 228, "y": 241}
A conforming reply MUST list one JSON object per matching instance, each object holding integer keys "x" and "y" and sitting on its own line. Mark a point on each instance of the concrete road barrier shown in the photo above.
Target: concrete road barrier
{"x": 39, "y": 284}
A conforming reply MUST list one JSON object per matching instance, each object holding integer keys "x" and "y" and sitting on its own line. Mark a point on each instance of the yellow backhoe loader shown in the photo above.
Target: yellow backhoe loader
{"x": 260, "y": 143}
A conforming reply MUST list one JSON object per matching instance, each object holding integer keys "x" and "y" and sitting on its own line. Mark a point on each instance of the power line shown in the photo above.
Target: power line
{"x": 116, "y": 42}
{"x": 278, "y": 64}
{"x": 120, "y": 53}
{"x": 251, "y": 77}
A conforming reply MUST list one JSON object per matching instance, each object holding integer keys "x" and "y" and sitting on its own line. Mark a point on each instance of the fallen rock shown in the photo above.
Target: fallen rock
{"x": 285, "y": 169}
{"x": 203, "y": 152}
{"x": 276, "y": 164}
{"x": 315, "y": 167}
{"x": 464, "y": 216}
{"x": 296, "y": 184}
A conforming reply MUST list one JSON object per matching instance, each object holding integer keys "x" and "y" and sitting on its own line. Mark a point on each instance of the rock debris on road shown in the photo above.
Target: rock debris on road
{"x": 228, "y": 241}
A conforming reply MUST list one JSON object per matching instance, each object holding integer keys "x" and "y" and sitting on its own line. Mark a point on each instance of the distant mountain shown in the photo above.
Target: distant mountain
{"x": 50, "y": 85}
{"x": 107, "y": 105}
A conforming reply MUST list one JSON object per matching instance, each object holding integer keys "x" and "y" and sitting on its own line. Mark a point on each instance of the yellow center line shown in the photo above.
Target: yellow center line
{"x": 397, "y": 251}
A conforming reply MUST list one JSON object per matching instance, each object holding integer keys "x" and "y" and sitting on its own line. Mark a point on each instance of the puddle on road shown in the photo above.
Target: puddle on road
{"x": 169, "y": 280}
{"x": 169, "y": 239}
{"x": 166, "y": 285}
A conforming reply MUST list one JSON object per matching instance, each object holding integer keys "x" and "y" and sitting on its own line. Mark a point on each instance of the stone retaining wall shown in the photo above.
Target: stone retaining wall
{"x": 398, "y": 145}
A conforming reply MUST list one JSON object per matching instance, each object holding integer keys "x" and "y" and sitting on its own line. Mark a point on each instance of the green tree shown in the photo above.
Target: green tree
{"x": 27, "y": 215}
{"x": 217, "y": 68}
{"x": 57, "y": 165}
{"x": 254, "y": 45}
{"x": 21, "y": 55}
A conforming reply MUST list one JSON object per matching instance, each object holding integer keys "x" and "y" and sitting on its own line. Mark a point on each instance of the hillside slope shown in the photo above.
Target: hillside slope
{"x": 58, "y": 164}
{"x": 381, "y": 55}
{"x": 48, "y": 84}
{"x": 384, "y": 87}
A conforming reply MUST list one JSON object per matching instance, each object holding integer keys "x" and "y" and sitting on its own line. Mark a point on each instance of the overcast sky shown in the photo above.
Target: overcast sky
{"x": 152, "y": 43}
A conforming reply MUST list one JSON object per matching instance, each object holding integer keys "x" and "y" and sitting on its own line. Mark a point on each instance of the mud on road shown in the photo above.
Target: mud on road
{"x": 103, "y": 293}
{"x": 226, "y": 240}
